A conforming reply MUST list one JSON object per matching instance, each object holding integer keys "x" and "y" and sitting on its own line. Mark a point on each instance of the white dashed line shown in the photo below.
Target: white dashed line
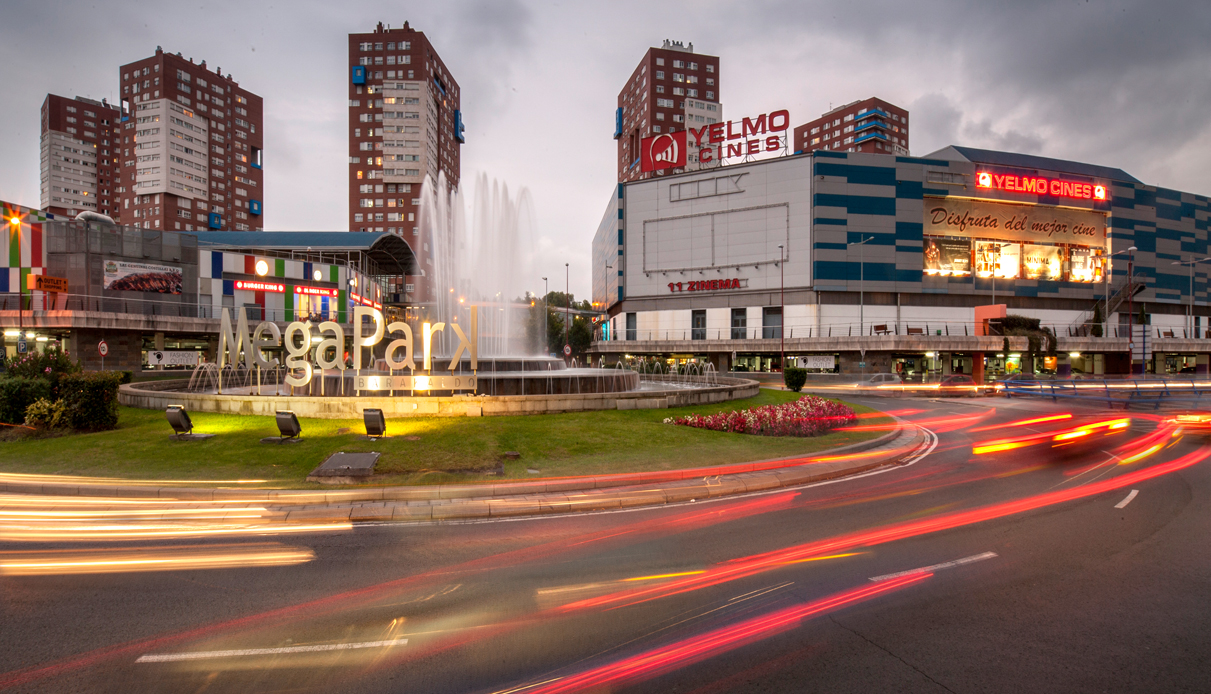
{"x": 1124, "y": 502}
{"x": 203, "y": 655}
{"x": 936, "y": 567}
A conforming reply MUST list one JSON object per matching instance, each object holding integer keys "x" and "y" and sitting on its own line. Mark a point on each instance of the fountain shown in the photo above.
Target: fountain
{"x": 483, "y": 257}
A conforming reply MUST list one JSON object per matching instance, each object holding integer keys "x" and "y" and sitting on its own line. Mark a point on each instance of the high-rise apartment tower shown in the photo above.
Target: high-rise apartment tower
{"x": 192, "y": 142}
{"x": 405, "y": 125}
{"x": 79, "y": 156}
{"x": 871, "y": 125}
{"x": 670, "y": 89}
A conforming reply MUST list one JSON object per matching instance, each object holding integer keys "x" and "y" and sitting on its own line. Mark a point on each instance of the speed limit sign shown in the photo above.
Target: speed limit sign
{"x": 103, "y": 348}
{"x": 567, "y": 350}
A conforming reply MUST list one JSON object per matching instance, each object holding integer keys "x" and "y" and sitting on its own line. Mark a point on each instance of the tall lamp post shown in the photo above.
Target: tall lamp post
{"x": 861, "y": 283}
{"x": 546, "y": 339}
{"x": 607, "y": 292}
{"x": 1130, "y": 310}
{"x": 16, "y": 222}
{"x": 996, "y": 265}
{"x": 1190, "y": 316}
{"x": 567, "y": 316}
{"x": 1106, "y": 291}
{"x": 782, "y": 329}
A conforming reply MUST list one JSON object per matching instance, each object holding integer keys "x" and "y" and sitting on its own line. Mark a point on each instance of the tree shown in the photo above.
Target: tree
{"x": 1098, "y": 319}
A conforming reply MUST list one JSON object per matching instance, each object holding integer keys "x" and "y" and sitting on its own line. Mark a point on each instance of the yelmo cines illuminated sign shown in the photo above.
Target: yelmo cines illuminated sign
{"x": 300, "y": 353}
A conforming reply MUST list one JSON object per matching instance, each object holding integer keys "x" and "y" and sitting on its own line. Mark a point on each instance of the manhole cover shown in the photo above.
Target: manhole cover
{"x": 346, "y": 465}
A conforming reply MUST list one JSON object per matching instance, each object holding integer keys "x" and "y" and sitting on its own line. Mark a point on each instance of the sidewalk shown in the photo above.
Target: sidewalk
{"x": 479, "y": 501}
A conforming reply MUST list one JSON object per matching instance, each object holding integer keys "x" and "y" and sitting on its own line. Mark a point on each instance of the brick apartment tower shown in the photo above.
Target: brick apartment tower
{"x": 405, "y": 124}
{"x": 79, "y": 156}
{"x": 871, "y": 125}
{"x": 671, "y": 87}
{"x": 191, "y": 147}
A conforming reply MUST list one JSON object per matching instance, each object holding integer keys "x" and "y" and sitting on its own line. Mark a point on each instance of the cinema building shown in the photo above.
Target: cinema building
{"x": 863, "y": 262}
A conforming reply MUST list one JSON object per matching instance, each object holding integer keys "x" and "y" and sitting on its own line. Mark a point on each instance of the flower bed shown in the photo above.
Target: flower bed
{"x": 807, "y": 416}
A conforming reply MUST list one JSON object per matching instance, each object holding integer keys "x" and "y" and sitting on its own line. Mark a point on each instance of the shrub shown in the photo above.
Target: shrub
{"x": 91, "y": 399}
{"x": 51, "y": 364}
{"x": 47, "y": 414}
{"x": 17, "y": 393}
{"x": 807, "y": 416}
{"x": 794, "y": 378}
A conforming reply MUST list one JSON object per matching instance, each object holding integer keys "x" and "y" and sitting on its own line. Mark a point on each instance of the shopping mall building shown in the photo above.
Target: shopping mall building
{"x": 855, "y": 262}
{"x": 154, "y": 298}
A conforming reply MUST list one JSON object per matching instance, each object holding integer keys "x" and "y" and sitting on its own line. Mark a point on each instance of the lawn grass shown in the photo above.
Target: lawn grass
{"x": 441, "y": 450}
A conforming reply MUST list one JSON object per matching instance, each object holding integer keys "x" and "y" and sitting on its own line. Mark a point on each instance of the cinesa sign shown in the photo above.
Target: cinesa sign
{"x": 327, "y": 352}
{"x": 716, "y": 141}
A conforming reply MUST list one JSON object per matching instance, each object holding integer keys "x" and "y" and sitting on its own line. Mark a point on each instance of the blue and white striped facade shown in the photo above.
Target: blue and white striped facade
{"x": 820, "y": 205}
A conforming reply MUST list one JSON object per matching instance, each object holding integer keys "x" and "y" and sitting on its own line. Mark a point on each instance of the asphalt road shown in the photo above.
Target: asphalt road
{"x": 1041, "y": 582}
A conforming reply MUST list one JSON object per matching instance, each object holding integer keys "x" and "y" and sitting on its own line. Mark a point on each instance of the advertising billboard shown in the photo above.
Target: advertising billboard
{"x": 1085, "y": 264}
{"x": 947, "y": 256}
{"x": 1003, "y": 259}
{"x": 142, "y": 277}
{"x": 1027, "y": 223}
{"x": 1042, "y": 262}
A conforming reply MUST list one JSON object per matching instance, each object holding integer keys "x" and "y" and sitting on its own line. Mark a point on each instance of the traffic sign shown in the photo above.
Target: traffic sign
{"x": 103, "y": 348}
{"x": 22, "y": 346}
{"x": 567, "y": 350}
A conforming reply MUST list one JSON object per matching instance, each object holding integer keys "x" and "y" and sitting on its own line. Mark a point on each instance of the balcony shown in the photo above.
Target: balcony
{"x": 871, "y": 113}
{"x": 870, "y": 124}
{"x": 873, "y": 135}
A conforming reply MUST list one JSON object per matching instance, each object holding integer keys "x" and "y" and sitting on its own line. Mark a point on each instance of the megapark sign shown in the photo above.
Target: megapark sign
{"x": 304, "y": 353}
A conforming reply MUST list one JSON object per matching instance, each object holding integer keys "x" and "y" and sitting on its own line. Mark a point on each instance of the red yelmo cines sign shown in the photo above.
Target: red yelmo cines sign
{"x": 716, "y": 141}
{"x": 1039, "y": 185}
{"x": 665, "y": 151}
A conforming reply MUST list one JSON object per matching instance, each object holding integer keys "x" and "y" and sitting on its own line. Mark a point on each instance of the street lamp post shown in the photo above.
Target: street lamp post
{"x": 567, "y": 316}
{"x": 1130, "y": 310}
{"x": 1190, "y": 315}
{"x": 996, "y": 265}
{"x": 782, "y": 329}
{"x": 607, "y": 303}
{"x": 861, "y": 283}
{"x": 546, "y": 339}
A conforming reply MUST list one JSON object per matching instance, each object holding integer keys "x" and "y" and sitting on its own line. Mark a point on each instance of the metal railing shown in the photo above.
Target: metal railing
{"x": 908, "y": 328}
{"x": 1125, "y": 393}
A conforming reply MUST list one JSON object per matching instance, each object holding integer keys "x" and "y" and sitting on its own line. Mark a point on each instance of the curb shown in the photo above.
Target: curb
{"x": 702, "y": 488}
{"x": 435, "y": 493}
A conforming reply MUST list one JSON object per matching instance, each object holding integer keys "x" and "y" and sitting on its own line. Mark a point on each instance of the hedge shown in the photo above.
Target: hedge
{"x": 794, "y": 378}
{"x": 18, "y": 393}
{"x": 91, "y": 399}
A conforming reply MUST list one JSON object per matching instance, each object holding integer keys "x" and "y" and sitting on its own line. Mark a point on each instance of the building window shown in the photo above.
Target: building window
{"x": 771, "y": 322}
{"x": 698, "y": 324}
{"x": 739, "y": 320}
{"x": 632, "y": 332}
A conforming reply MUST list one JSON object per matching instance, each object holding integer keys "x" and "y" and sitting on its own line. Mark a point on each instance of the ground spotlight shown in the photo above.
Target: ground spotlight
{"x": 376, "y": 423}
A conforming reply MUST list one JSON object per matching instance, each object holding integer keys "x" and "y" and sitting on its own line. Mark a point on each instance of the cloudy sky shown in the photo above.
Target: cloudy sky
{"x": 1122, "y": 84}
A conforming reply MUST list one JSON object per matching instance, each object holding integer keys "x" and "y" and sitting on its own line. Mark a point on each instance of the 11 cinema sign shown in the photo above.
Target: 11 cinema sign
{"x": 1039, "y": 185}
{"x": 716, "y": 141}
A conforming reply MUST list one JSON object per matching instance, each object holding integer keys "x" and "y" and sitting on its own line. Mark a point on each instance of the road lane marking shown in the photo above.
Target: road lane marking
{"x": 936, "y": 567}
{"x": 203, "y": 655}
{"x": 1124, "y": 502}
